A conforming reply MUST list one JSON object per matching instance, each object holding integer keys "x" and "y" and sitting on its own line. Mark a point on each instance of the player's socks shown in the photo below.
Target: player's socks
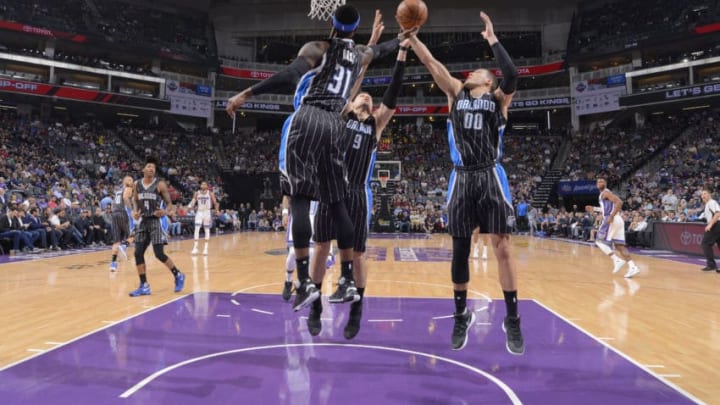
{"x": 460, "y": 301}
{"x": 511, "y": 303}
{"x": 346, "y": 270}
{"x": 302, "y": 266}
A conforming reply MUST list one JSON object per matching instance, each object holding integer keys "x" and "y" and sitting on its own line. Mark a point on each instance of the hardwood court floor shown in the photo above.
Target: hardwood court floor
{"x": 665, "y": 318}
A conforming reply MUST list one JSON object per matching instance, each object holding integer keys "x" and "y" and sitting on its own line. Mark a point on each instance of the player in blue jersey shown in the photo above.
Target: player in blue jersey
{"x": 479, "y": 193}
{"x": 313, "y": 150}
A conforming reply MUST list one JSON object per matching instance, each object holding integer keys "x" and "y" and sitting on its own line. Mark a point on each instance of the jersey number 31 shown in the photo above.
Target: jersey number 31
{"x": 340, "y": 83}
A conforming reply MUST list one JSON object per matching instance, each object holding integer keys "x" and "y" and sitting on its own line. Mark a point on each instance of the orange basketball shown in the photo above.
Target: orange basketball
{"x": 411, "y": 13}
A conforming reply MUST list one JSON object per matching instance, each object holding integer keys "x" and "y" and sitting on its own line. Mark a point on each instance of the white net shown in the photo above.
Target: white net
{"x": 324, "y": 9}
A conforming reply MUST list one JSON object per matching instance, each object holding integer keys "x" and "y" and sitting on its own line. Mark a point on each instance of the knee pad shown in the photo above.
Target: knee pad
{"x": 160, "y": 253}
{"x": 301, "y": 228}
{"x": 344, "y": 229}
{"x": 139, "y": 256}
{"x": 460, "y": 267}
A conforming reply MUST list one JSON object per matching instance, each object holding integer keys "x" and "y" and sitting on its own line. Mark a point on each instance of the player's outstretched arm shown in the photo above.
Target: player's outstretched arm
{"x": 448, "y": 84}
{"x": 507, "y": 87}
{"x": 383, "y": 49}
{"x": 309, "y": 56}
{"x": 378, "y": 28}
{"x": 386, "y": 110}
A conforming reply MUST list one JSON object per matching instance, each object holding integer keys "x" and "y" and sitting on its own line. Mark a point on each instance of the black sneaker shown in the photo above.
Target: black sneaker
{"x": 353, "y": 325}
{"x": 287, "y": 290}
{"x": 708, "y": 268}
{"x": 314, "y": 323}
{"x": 305, "y": 294}
{"x": 346, "y": 292}
{"x": 463, "y": 322}
{"x": 515, "y": 343}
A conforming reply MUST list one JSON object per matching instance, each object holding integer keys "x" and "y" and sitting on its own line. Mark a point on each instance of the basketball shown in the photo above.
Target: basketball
{"x": 411, "y": 13}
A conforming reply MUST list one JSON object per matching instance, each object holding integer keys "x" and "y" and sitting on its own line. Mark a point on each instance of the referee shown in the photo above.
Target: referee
{"x": 712, "y": 230}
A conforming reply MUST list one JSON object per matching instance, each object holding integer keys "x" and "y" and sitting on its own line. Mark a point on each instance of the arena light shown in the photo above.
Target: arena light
{"x": 658, "y": 113}
{"x": 696, "y": 107}
{"x": 122, "y": 114}
{"x": 59, "y": 107}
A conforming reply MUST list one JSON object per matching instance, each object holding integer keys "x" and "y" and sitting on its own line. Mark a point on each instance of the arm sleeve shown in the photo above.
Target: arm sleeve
{"x": 391, "y": 94}
{"x": 384, "y": 49}
{"x": 509, "y": 71}
{"x": 291, "y": 75}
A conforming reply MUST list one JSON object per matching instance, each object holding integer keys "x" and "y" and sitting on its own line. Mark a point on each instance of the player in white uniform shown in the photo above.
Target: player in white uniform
{"x": 612, "y": 231}
{"x": 205, "y": 200}
{"x": 476, "y": 238}
{"x": 290, "y": 261}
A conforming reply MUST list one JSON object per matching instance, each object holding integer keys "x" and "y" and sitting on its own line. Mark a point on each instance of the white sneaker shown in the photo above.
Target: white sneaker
{"x": 484, "y": 255}
{"x": 205, "y": 252}
{"x": 195, "y": 251}
{"x": 476, "y": 253}
{"x": 619, "y": 263}
{"x": 632, "y": 271}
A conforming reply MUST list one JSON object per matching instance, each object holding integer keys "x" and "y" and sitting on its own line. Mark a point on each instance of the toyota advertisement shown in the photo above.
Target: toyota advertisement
{"x": 684, "y": 237}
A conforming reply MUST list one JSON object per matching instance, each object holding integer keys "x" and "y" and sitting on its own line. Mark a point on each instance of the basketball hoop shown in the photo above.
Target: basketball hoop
{"x": 324, "y": 9}
{"x": 383, "y": 177}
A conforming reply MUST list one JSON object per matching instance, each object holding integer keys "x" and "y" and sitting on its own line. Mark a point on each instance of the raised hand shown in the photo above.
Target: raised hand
{"x": 402, "y": 36}
{"x": 489, "y": 33}
{"x": 378, "y": 28}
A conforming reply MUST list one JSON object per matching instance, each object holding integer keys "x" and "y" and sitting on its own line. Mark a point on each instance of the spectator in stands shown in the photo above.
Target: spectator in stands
{"x": 36, "y": 227}
{"x": 84, "y": 224}
{"x": 638, "y": 225}
{"x": 24, "y": 227}
{"x": 9, "y": 230}
{"x": 61, "y": 222}
{"x": 3, "y": 200}
{"x": 264, "y": 225}
{"x": 174, "y": 225}
{"x": 252, "y": 221}
{"x": 670, "y": 201}
{"x": 100, "y": 228}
